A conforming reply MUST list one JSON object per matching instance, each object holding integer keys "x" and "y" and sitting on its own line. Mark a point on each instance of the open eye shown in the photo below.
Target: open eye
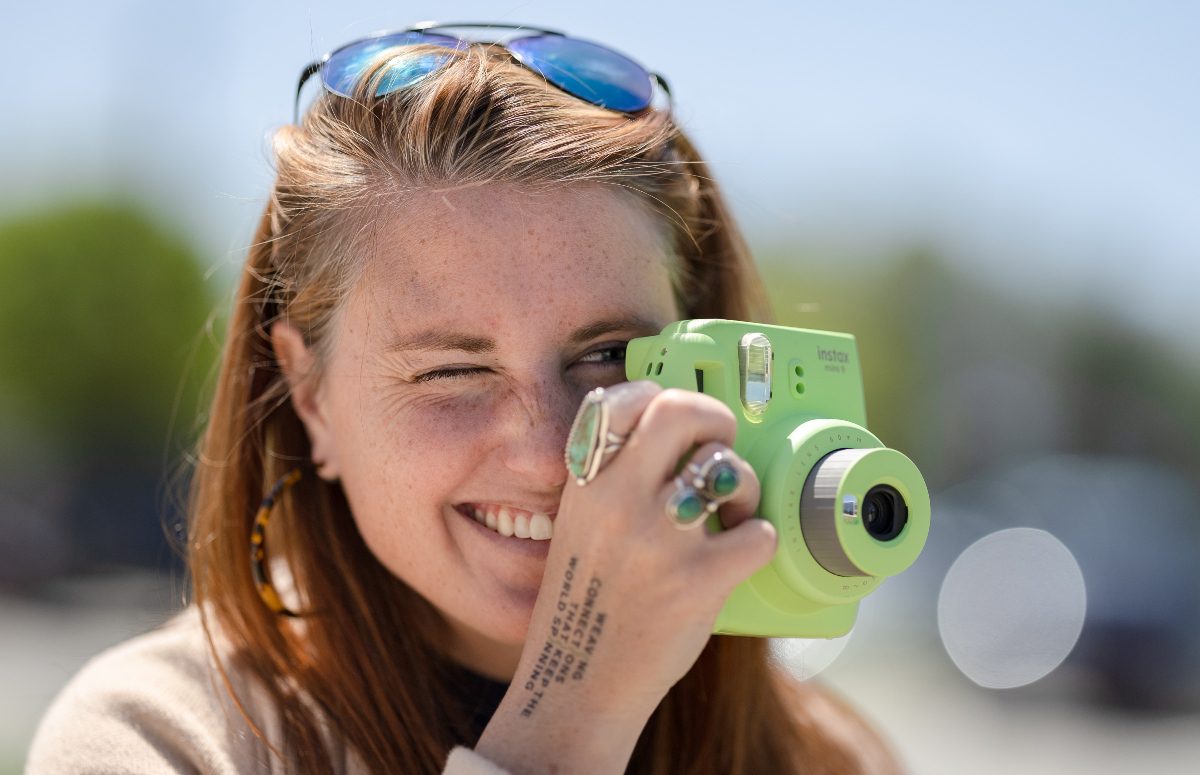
{"x": 613, "y": 354}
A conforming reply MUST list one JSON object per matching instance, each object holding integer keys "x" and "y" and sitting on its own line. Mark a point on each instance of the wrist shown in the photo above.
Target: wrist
{"x": 564, "y": 733}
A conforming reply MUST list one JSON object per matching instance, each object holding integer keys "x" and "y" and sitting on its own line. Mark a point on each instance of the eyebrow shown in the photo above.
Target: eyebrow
{"x": 436, "y": 339}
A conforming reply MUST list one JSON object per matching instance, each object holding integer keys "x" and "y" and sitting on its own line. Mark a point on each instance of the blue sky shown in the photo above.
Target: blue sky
{"x": 1050, "y": 146}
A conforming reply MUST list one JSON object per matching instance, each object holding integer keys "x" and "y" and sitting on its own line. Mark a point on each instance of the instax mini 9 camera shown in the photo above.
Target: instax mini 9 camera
{"x": 849, "y": 511}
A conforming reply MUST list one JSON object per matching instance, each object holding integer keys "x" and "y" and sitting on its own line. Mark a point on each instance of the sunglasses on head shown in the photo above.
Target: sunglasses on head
{"x": 593, "y": 73}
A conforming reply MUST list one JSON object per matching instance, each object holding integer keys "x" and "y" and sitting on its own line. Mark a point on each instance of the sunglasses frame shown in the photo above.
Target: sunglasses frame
{"x": 315, "y": 66}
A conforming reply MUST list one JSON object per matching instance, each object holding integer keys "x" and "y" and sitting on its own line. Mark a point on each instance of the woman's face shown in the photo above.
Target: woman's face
{"x": 455, "y": 371}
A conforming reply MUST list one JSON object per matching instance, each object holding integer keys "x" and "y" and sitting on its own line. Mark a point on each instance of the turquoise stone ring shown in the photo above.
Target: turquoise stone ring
{"x": 687, "y": 508}
{"x": 717, "y": 479}
{"x": 591, "y": 444}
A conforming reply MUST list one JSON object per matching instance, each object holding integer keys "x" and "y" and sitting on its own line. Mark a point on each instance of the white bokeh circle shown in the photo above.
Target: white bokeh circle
{"x": 1011, "y": 607}
{"x": 804, "y": 658}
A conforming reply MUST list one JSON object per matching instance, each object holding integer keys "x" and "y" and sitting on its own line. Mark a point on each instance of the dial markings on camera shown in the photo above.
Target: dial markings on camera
{"x": 575, "y": 631}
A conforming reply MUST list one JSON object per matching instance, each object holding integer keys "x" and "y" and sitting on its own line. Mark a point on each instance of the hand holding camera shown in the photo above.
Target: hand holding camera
{"x": 849, "y": 511}
{"x": 629, "y": 599}
{"x": 722, "y": 421}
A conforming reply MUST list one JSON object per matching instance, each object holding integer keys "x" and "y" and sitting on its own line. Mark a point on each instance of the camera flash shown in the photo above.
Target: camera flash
{"x": 754, "y": 365}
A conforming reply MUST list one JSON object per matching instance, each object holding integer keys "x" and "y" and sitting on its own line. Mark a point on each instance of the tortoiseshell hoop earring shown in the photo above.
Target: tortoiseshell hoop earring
{"x": 258, "y": 545}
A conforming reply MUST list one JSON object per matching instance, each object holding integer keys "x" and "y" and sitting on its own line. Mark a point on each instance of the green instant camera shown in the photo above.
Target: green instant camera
{"x": 848, "y": 510}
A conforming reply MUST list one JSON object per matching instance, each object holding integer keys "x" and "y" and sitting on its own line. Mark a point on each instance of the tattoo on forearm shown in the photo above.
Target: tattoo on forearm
{"x": 574, "y": 633}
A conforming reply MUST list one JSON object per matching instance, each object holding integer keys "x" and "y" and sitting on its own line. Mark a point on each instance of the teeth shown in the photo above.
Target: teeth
{"x": 540, "y": 527}
{"x": 514, "y": 523}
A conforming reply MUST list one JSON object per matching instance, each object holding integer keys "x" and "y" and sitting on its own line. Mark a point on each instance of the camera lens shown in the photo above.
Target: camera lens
{"x": 884, "y": 512}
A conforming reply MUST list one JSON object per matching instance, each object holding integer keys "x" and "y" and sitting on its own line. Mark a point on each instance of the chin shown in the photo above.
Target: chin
{"x": 502, "y": 617}
{"x": 507, "y": 622}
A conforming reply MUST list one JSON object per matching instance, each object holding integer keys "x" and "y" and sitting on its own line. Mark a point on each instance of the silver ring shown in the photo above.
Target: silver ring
{"x": 590, "y": 444}
{"x": 717, "y": 478}
{"x": 686, "y": 508}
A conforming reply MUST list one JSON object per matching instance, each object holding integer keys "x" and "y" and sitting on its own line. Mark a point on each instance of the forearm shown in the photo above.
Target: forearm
{"x": 563, "y": 735}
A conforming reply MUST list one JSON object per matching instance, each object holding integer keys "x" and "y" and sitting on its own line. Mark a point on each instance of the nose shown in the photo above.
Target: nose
{"x": 536, "y": 432}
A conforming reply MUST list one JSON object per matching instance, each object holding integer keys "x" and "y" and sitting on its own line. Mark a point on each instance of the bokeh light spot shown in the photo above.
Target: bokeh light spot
{"x": 804, "y": 658}
{"x": 1012, "y": 607}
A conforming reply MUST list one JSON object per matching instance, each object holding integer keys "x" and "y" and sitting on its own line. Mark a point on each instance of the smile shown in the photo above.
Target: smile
{"x": 510, "y": 521}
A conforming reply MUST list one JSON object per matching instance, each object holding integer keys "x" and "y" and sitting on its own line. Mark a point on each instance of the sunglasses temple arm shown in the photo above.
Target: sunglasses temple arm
{"x": 666, "y": 87}
{"x": 304, "y": 76}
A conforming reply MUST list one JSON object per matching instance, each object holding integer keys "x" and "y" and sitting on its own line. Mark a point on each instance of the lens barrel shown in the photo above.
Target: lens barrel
{"x": 884, "y": 512}
{"x": 854, "y": 516}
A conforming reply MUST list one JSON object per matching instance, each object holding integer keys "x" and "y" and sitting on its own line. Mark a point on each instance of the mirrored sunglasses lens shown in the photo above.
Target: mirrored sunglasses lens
{"x": 347, "y": 64}
{"x": 593, "y": 73}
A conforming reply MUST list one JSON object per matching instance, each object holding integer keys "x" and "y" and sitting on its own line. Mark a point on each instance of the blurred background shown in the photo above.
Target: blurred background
{"x": 1001, "y": 202}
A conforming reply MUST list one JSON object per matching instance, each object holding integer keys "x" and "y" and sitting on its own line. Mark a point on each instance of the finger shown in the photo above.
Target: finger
{"x": 607, "y": 424}
{"x": 675, "y": 421}
{"x": 683, "y": 507}
{"x": 712, "y": 469}
{"x": 626, "y": 402}
{"x": 734, "y": 555}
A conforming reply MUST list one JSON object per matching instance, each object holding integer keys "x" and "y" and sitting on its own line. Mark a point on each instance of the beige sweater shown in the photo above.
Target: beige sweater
{"x": 155, "y": 704}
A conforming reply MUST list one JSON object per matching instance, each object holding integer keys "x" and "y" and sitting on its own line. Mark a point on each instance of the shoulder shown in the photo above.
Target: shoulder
{"x": 149, "y": 704}
{"x": 835, "y": 732}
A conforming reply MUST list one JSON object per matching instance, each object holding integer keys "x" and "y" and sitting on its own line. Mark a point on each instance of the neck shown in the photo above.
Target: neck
{"x": 482, "y": 654}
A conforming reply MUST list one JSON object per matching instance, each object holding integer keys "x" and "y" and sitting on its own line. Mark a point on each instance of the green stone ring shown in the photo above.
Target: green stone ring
{"x": 687, "y": 508}
{"x": 717, "y": 479}
{"x": 591, "y": 444}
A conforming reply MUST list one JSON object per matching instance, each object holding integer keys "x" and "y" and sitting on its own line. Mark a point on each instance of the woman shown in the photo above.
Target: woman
{"x": 460, "y": 240}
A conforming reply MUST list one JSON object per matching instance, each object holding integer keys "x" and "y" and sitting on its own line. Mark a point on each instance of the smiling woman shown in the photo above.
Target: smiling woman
{"x": 453, "y": 255}
{"x": 516, "y": 301}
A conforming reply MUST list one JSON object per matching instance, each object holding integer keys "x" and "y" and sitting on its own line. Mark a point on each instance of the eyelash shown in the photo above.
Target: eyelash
{"x": 454, "y": 374}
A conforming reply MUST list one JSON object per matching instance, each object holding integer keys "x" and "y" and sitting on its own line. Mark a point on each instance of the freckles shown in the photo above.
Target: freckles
{"x": 434, "y": 419}
{"x": 447, "y": 424}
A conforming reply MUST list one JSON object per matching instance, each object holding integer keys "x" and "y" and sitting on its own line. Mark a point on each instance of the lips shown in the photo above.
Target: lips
{"x": 510, "y": 521}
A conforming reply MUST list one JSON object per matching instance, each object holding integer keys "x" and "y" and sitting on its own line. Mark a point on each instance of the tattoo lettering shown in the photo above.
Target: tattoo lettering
{"x": 575, "y": 632}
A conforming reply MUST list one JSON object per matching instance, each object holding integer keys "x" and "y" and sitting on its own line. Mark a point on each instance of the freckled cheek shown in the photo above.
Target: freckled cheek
{"x": 405, "y": 461}
{"x": 457, "y": 419}
{"x": 418, "y": 432}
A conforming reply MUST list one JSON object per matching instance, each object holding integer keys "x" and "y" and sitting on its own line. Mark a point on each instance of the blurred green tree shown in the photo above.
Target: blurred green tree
{"x": 101, "y": 310}
{"x": 963, "y": 377}
{"x": 104, "y": 364}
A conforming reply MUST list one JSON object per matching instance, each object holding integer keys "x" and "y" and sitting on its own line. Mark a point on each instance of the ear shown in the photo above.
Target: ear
{"x": 299, "y": 368}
